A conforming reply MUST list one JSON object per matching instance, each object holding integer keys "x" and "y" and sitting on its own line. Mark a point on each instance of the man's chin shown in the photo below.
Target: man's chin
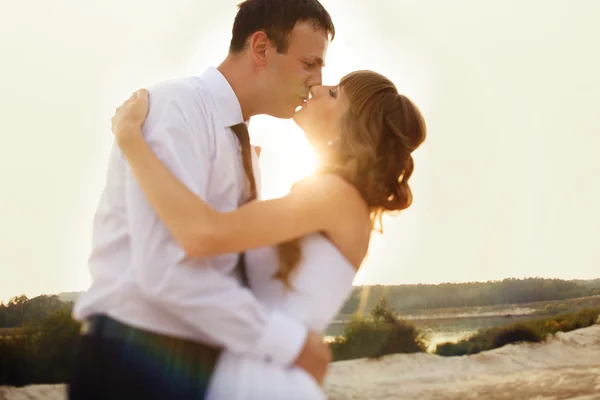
{"x": 287, "y": 114}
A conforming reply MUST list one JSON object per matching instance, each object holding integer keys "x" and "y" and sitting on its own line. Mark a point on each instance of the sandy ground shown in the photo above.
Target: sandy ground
{"x": 566, "y": 367}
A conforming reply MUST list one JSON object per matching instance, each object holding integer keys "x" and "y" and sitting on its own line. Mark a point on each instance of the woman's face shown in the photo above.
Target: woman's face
{"x": 321, "y": 114}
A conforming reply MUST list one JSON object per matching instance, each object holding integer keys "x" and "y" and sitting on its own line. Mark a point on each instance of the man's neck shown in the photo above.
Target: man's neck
{"x": 240, "y": 78}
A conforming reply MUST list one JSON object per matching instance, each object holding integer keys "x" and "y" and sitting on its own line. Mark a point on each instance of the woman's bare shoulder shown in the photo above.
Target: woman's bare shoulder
{"x": 335, "y": 193}
{"x": 329, "y": 185}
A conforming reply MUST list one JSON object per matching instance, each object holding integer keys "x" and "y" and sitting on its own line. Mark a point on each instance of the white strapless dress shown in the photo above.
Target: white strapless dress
{"x": 321, "y": 285}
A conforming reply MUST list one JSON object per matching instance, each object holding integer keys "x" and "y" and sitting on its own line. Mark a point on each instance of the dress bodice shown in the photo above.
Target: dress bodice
{"x": 320, "y": 283}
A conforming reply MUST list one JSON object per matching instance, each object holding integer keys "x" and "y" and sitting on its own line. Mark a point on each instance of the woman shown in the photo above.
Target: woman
{"x": 321, "y": 227}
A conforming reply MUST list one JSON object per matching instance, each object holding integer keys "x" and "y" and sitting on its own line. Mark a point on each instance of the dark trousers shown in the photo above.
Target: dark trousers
{"x": 115, "y": 361}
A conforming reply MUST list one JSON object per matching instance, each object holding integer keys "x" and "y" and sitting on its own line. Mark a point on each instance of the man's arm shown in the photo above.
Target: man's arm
{"x": 205, "y": 299}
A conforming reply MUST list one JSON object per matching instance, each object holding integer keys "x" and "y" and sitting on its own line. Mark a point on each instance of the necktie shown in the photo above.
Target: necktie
{"x": 241, "y": 131}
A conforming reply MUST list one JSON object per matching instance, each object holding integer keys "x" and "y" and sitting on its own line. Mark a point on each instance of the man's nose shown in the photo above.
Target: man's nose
{"x": 316, "y": 79}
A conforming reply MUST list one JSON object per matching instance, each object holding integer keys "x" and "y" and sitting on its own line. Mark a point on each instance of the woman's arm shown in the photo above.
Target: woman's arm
{"x": 312, "y": 206}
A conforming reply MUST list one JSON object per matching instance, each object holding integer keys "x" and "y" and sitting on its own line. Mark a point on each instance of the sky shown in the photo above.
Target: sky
{"x": 505, "y": 185}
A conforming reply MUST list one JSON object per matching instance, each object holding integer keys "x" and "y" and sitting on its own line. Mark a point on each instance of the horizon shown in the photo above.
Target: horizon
{"x": 5, "y": 301}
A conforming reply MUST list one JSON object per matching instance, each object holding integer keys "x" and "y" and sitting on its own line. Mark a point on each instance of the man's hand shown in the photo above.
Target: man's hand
{"x": 314, "y": 357}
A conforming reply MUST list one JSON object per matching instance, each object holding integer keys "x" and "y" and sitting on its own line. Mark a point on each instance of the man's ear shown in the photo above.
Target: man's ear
{"x": 259, "y": 45}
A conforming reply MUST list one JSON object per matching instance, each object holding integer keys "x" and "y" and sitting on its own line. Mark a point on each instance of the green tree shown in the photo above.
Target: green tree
{"x": 381, "y": 334}
{"x": 40, "y": 352}
{"x": 55, "y": 346}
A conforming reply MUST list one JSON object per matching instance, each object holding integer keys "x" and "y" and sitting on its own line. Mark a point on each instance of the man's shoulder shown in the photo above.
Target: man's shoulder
{"x": 177, "y": 108}
{"x": 181, "y": 102}
{"x": 177, "y": 91}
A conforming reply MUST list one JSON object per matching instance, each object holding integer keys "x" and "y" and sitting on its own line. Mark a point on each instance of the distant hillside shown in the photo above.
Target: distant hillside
{"x": 471, "y": 294}
{"x": 68, "y": 296}
{"x": 592, "y": 283}
{"x": 21, "y": 310}
{"x": 456, "y": 295}
{"x": 402, "y": 298}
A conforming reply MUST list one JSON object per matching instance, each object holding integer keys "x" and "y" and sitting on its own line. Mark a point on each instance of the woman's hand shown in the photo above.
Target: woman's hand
{"x": 129, "y": 118}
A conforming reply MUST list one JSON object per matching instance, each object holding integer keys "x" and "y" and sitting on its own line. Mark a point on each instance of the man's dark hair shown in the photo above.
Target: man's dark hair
{"x": 276, "y": 18}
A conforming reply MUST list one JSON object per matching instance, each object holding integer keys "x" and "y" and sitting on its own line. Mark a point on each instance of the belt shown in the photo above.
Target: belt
{"x": 102, "y": 325}
{"x": 108, "y": 328}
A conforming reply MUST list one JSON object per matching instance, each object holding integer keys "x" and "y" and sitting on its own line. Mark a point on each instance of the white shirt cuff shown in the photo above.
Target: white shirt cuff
{"x": 282, "y": 340}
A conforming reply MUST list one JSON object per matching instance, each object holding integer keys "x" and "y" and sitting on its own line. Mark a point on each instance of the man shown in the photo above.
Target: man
{"x": 154, "y": 319}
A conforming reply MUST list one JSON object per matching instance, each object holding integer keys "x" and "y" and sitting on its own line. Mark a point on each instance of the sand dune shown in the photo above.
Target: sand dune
{"x": 566, "y": 367}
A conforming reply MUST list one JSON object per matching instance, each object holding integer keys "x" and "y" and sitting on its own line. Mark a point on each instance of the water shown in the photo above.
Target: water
{"x": 441, "y": 330}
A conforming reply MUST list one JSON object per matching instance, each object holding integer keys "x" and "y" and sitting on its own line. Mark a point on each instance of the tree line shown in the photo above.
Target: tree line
{"x": 404, "y": 298}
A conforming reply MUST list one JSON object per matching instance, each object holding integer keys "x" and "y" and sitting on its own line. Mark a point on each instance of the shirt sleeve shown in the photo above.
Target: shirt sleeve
{"x": 209, "y": 301}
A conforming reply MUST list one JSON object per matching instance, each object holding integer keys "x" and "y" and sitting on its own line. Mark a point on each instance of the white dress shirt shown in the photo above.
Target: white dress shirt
{"x": 141, "y": 275}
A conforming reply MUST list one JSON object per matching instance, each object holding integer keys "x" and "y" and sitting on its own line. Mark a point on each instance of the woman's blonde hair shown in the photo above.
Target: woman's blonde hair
{"x": 379, "y": 132}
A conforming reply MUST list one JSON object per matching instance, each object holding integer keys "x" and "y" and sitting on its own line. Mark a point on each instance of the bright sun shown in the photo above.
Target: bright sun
{"x": 286, "y": 156}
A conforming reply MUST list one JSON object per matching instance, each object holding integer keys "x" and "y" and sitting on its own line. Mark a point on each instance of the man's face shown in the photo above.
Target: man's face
{"x": 291, "y": 75}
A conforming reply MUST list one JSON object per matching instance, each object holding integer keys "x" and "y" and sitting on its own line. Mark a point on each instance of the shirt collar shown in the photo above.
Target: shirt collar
{"x": 228, "y": 105}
